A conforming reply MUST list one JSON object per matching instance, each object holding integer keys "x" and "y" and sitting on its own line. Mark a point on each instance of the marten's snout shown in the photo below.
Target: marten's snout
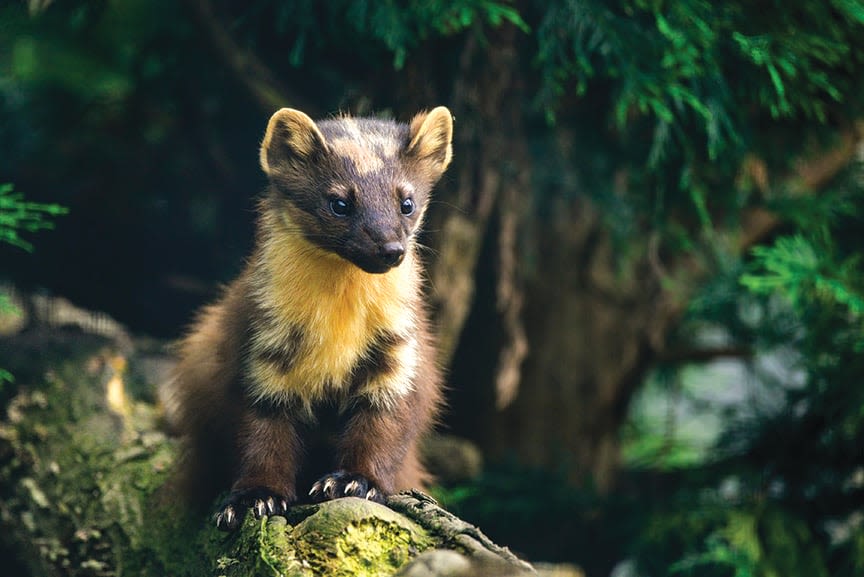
{"x": 375, "y": 255}
{"x": 391, "y": 253}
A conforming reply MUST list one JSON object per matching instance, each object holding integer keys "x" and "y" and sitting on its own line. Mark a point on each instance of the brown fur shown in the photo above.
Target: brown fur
{"x": 318, "y": 358}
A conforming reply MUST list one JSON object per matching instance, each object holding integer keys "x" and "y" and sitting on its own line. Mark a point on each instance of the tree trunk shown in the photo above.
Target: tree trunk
{"x": 594, "y": 322}
{"x": 487, "y": 110}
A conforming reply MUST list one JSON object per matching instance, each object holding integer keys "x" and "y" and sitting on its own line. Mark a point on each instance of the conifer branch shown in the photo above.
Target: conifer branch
{"x": 811, "y": 174}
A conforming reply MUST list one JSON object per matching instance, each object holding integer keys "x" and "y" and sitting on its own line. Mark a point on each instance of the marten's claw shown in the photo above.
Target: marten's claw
{"x": 226, "y": 519}
{"x": 344, "y": 484}
{"x": 262, "y": 501}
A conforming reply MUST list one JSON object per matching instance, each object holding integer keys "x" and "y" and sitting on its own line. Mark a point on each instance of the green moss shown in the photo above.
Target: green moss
{"x": 276, "y": 549}
{"x": 353, "y": 537}
{"x": 84, "y": 479}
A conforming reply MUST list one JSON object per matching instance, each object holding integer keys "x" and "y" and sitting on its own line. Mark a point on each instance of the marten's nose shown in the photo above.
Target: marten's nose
{"x": 391, "y": 253}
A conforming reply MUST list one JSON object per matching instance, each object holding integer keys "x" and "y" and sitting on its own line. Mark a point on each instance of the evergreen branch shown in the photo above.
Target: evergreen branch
{"x": 401, "y": 27}
{"x": 796, "y": 268}
{"x": 6, "y": 377}
{"x": 811, "y": 175}
{"x": 756, "y": 223}
{"x": 17, "y": 215}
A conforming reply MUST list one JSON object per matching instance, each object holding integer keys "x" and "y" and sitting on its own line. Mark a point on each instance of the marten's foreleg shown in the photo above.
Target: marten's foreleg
{"x": 270, "y": 451}
{"x": 373, "y": 451}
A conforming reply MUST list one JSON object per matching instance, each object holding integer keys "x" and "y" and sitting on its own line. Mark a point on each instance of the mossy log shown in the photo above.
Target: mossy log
{"x": 83, "y": 470}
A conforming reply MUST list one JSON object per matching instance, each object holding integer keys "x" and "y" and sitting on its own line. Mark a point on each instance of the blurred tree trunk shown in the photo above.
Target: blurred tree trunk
{"x": 594, "y": 325}
{"x": 488, "y": 161}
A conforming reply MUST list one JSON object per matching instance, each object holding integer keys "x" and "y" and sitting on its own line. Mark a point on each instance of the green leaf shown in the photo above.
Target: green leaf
{"x": 17, "y": 215}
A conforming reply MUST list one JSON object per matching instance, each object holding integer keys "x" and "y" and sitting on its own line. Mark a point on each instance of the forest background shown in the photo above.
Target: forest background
{"x": 645, "y": 262}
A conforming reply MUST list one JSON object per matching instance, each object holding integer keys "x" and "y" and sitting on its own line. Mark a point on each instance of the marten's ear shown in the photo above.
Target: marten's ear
{"x": 291, "y": 138}
{"x": 431, "y": 137}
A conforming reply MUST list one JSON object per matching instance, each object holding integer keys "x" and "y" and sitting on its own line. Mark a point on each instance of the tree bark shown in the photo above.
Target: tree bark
{"x": 488, "y": 163}
{"x": 594, "y": 323}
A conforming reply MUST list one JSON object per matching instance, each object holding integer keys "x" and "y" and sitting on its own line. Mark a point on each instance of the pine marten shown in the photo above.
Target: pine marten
{"x": 313, "y": 376}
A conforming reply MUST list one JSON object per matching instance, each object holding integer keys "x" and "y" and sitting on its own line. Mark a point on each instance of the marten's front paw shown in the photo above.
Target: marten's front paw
{"x": 344, "y": 484}
{"x": 262, "y": 501}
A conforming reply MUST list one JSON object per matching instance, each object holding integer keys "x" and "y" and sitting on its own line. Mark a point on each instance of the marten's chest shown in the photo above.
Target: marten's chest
{"x": 331, "y": 330}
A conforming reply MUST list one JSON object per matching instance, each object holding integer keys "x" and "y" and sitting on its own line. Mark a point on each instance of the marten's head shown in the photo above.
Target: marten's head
{"x": 357, "y": 187}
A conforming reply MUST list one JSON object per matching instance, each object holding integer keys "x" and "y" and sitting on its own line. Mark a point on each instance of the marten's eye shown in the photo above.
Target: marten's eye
{"x": 339, "y": 206}
{"x": 408, "y": 206}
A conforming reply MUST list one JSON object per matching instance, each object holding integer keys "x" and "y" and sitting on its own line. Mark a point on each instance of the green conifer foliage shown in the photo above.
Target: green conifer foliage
{"x": 18, "y": 216}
